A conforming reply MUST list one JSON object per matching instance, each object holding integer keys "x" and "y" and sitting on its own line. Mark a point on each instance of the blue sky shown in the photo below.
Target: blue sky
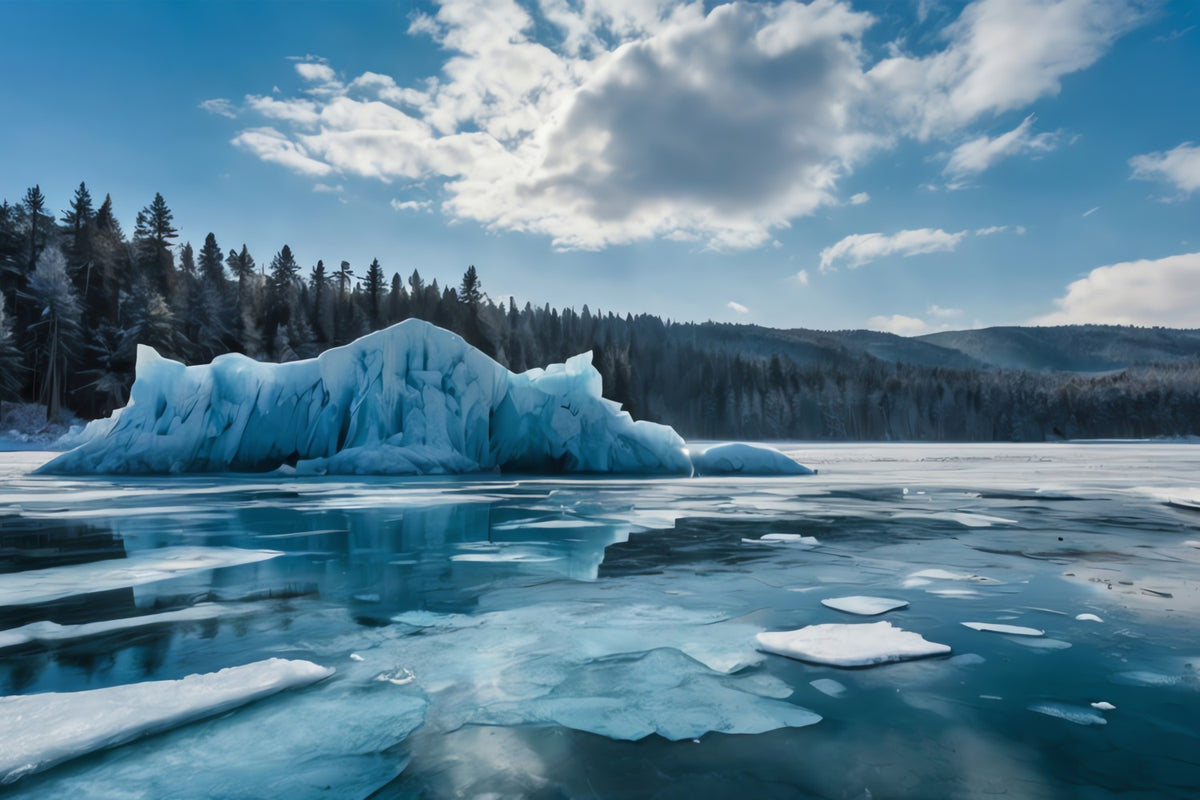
{"x": 906, "y": 166}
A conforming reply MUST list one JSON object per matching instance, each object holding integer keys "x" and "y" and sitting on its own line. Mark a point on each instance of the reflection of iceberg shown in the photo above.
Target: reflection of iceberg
{"x": 410, "y": 399}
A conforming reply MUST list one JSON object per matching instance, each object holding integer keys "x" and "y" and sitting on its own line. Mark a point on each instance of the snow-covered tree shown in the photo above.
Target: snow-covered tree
{"x": 56, "y": 330}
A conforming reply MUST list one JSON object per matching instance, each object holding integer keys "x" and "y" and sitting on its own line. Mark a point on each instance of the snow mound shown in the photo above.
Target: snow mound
{"x": 411, "y": 399}
{"x": 864, "y": 606}
{"x": 738, "y": 458}
{"x": 38, "y": 731}
{"x": 853, "y": 645}
{"x": 1013, "y": 630}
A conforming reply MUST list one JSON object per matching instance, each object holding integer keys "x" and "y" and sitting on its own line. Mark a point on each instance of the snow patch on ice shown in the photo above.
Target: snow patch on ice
{"x": 850, "y": 645}
{"x": 738, "y": 458}
{"x": 864, "y": 606}
{"x": 38, "y": 731}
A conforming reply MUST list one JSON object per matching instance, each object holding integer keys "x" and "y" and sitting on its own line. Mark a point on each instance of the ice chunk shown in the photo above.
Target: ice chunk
{"x": 853, "y": 645}
{"x": 1077, "y": 714}
{"x": 1014, "y": 630}
{"x": 1088, "y": 618}
{"x": 409, "y": 399}
{"x": 53, "y": 632}
{"x": 828, "y": 686}
{"x": 141, "y": 567}
{"x": 1104, "y": 705}
{"x": 38, "y": 731}
{"x": 864, "y": 606}
{"x": 738, "y": 458}
{"x": 790, "y": 538}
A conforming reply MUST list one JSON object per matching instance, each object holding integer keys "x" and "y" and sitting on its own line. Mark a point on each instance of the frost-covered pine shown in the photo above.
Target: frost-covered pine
{"x": 56, "y": 331}
{"x": 10, "y": 359}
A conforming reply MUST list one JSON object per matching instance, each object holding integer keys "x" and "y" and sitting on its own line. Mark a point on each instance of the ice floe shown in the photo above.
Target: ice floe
{"x": 863, "y": 605}
{"x": 1088, "y": 618}
{"x": 38, "y": 731}
{"x": 850, "y": 645}
{"x": 828, "y": 686}
{"x": 50, "y": 632}
{"x": 1012, "y": 630}
{"x": 1077, "y": 714}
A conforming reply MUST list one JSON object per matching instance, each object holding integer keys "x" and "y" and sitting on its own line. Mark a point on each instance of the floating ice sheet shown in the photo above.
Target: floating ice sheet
{"x": 863, "y": 605}
{"x": 828, "y": 686}
{"x": 40, "y": 730}
{"x": 1077, "y": 714}
{"x": 141, "y": 567}
{"x": 53, "y": 632}
{"x": 852, "y": 645}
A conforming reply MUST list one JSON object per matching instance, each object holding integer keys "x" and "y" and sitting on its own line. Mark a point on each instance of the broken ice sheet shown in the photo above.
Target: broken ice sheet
{"x": 1077, "y": 714}
{"x": 1012, "y": 630}
{"x": 632, "y": 697}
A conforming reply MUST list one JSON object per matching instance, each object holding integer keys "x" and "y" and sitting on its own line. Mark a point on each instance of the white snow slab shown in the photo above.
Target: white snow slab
{"x": 1077, "y": 714}
{"x": 38, "y": 731}
{"x": 863, "y": 605}
{"x": 410, "y": 399}
{"x": 140, "y": 567}
{"x": 995, "y": 627}
{"x": 1104, "y": 705}
{"x": 850, "y": 645}
{"x": 790, "y": 538}
{"x": 1088, "y": 618}
{"x": 828, "y": 686}
{"x": 738, "y": 458}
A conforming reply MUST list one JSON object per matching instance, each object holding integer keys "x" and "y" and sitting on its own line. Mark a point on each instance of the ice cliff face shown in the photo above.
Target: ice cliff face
{"x": 411, "y": 399}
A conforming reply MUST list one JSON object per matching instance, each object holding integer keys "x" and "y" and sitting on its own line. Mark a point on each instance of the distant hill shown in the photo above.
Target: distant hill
{"x": 1069, "y": 348}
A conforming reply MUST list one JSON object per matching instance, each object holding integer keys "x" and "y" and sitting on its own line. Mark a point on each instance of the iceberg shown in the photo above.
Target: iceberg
{"x": 738, "y": 458}
{"x": 410, "y": 399}
{"x": 38, "y": 731}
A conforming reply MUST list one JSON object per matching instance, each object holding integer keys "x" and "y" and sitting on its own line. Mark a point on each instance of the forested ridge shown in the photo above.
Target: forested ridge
{"x": 79, "y": 295}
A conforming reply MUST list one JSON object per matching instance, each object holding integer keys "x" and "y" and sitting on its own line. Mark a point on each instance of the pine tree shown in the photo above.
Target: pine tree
{"x": 79, "y": 220}
{"x": 281, "y": 287}
{"x": 152, "y": 238}
{"x": 56, "y": 333}
{"x": 470, "y": 294}
{"x": 41, "y": 225}
{"x": 373, "y": 286}
{"x": 11, "y": 368}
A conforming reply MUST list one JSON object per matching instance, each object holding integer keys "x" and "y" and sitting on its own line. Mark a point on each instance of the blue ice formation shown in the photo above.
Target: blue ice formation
{"x": 739, "y": 458}
{"x": 411, "y": 399}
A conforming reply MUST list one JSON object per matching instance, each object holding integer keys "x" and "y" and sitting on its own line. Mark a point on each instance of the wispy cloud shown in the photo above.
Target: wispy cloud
{"x": 220, "y": 106}
{"x": 1180, "y": 166}
{"x": 412, "y": 205}
{"x": 937, "y": 312}
{"x": 738, "y": 307}
{"x": 802, "y": 276}
{"x": 325, "y": 188}
{"x": 1091, "y": 211}
{"x": 859, "y": 199}
{"x": 863, "y": 248}
{"x": 978, "y": 155}
{"x": 898, "y": 324}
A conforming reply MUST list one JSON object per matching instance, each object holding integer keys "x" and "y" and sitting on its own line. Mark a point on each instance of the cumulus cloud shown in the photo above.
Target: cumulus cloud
{"x": 1180, "y": 166}
{"x": 1163, "y": 291}
{"x": 859, "y": 199}
{"x": 802, "y": 276}
{"x": 219, "y": 106}
{"x": 862, "y": 248}
{"x": 738, "y": 307}
{"x": 607, "y": 121}
{"x": 978, "y": 155}
{"x": 937, "y": 312}
{"x": 898, "y": 324}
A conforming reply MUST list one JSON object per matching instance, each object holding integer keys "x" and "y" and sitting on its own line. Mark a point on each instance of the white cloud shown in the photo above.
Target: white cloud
{"x": 738, "y": 307}
{"x": 412, "y": 205}
{"x": 991, "y": 230}
{"x": 859, "y": 199}
{"x": 937, "y": 312}
{"x": 862, "y": 248}
{"x": 219, "y": 106}
{"x": 978, "y": 155}
{"x": 271, "y": 145}
{"x": 611, "y": 121}
{"x": 802, "y": 276}
{"x": 898, "y": 324}
{"x": 1163, "y": 291}
{"x": 1002, "y": 55}
{"x": 325, "y": 188}
{"x": 1180, "y": 166}
{"x": 1091, "y": 211}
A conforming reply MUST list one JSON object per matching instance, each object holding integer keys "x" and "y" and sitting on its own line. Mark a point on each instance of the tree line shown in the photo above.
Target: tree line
{"x": 79, "y": 295}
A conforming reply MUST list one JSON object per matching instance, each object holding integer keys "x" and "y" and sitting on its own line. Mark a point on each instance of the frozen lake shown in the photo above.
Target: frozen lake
{"x": 554, "y": 638}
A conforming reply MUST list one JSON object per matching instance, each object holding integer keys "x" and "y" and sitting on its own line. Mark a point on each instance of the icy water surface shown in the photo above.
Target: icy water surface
{"x": 596, "y": 637}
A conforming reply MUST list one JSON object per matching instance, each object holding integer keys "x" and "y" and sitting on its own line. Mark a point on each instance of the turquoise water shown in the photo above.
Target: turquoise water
{"x": 595, "y": 638}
